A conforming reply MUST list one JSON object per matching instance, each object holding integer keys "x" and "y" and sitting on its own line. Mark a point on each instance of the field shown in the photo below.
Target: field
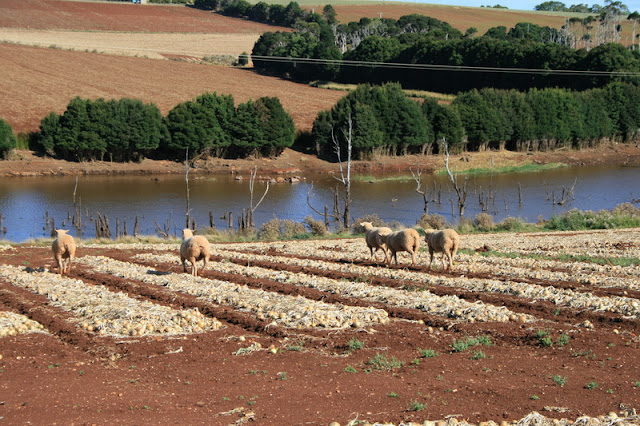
{"x": 38, "y": 81}
{"x": 313, "y": 331}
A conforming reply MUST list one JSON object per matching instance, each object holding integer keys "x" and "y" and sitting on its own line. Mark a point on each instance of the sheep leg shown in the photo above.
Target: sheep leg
{"x": 372, "y": 256}
{"x": 430, "y": 257}
{"x": 204, "y": 263}
{"x": 69, "y": 261}
{"x": 194, "y": 266}
{"x": 59, "y": 263}
{"x": 184, "y": 264}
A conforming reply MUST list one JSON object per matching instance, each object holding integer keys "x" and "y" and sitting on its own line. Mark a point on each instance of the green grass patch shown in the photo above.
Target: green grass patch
{"x": 469, "y": 342}
{"x": 390, "y": 178}
{"x": 523, "y": 168}
{"x": 615, "y": 261}
{"x": 382, "y": 363}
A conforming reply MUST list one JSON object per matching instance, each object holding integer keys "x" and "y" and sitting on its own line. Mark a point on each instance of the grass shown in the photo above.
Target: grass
{"x": 350, "y": 369}
{"x": 416, "y": 406}
{"x": 381, "y": 363}
{"x": 591, "y": 385}
{"x": 559, "y": 380}
{"x": 428, "y": 353}
{"x": 615, "y": 261}
{"x": 468, "y": 342}
{"x": 331, "y": 85}
{"x": 524, "y": 168}
{"x": 355, "y": 344}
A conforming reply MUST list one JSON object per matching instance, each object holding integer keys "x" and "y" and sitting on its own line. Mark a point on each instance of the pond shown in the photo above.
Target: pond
{"x": 27, "y": 204}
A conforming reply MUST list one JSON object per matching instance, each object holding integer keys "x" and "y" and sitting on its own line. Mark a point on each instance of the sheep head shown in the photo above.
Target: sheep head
{"x": 187, "y": 233}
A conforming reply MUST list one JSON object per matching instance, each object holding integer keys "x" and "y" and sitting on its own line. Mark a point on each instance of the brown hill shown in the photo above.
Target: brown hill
{"x": 37, "y": 81}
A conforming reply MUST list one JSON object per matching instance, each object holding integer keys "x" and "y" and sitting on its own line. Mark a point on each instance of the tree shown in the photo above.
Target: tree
{"x": 277, "y": 126}
{"x": 551, "y": 6}
{"x": 7, "y": 138}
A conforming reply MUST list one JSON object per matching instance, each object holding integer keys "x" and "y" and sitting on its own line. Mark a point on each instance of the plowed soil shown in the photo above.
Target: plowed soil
{"x": 314, "y": 376}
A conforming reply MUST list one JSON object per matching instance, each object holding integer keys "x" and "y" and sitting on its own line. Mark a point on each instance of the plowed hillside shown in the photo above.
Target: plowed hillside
{"x": 93, "y": 16}
{"x": 37, "y": 81}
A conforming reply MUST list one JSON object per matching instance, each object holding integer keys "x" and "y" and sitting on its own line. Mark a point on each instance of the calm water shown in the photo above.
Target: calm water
{"x": 25, "y": 202}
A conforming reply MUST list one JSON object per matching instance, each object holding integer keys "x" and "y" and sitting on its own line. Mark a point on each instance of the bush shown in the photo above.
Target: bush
{"x": 432, "y": 221}
{"x": 484, "y": 222}
{"x": 623, "y": 216}
{"x": 280, "y": 229}
{"x": 243, "y": 59}
{"x": 316, "y": 227}
{"x": 7, "y": 138}
{"x": 511, "y": 224}
{"x": 373, "y": 218}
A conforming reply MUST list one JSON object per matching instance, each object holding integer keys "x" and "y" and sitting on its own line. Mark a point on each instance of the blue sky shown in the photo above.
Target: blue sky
{"x": 526, "y": 4}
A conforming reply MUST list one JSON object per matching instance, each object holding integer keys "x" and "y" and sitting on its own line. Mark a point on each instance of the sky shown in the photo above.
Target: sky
{"x": 633, "y": 5}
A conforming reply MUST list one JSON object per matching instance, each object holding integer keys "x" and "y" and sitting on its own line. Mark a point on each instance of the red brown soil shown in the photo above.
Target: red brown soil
{"x": 37, "y": 81}
{"x": 292, "y": 163}
{"x": 74, "y": 377}
{"x": 120, "y": 16}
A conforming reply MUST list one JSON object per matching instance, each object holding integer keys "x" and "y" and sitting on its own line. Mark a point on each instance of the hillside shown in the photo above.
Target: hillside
{"x": 37, "y": 81}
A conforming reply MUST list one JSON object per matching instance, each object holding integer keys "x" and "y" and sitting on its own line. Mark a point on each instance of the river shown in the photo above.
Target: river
{"x": 27, "y": 202}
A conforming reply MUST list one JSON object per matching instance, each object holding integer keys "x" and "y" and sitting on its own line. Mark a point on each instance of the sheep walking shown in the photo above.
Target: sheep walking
{"x": 64, "y": 249}
{"x": 446, "y": 242}
{"x": 371, "y": 237}
{"x": 403, "y": 240}
{"x": 194, "y": 248}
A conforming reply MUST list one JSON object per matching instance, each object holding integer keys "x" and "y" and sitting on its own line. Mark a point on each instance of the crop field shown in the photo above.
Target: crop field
{"x": 312, "y": 331}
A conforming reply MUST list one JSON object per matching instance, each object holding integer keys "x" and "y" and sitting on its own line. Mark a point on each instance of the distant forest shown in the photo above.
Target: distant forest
{"x": 425, "y": 53}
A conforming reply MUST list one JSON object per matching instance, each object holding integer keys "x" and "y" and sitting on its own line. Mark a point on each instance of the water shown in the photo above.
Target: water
{"x": 161, "y": 200}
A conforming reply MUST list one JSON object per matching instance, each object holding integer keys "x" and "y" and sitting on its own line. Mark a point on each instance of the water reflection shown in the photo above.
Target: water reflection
{"x": 26, "y": 202}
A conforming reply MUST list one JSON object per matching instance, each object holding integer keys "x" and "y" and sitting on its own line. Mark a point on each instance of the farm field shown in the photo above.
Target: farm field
{"x": 40, "y": 80}
{"x": 313, "y": 331}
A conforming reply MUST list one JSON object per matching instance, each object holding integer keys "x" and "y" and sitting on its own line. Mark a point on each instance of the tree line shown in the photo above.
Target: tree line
{"x": 383, "y": 121}
{"x": 129, "y": 130}
{"x": 322, "y": 49}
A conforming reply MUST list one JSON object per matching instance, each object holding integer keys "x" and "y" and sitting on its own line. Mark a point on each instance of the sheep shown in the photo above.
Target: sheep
{"x": 194, "y": 248}
{"x": 446, "y": 242}
{"x": 403, "y": 240}
{"x": 64, "y": 249}
{"x": 371, "y": 237}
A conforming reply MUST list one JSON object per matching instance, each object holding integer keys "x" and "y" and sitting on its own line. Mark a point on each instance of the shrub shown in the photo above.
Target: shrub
{"x": 373, "y": 218}
{"x": 623, "y": 216}
{"x": 243, "y": 59}
{"x": 511, "y": 224}
{"x": 433, "y": 221}
{"x": 316, "y": 227}
{"x": 7, "y": 138}
{"x": 484, "y": 222}
{"x": 626, "y": 209}
{"x": 280, "y": 229}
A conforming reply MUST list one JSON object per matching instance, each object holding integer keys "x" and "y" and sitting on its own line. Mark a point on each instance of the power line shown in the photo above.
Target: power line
{"x": 431, "y": 67}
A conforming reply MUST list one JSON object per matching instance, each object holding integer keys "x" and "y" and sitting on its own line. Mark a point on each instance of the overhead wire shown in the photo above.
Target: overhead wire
{"x": 436, "y": 67}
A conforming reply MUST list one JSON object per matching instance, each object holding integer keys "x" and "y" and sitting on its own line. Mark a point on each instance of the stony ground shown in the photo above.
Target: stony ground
{"x": 297, "y": 332}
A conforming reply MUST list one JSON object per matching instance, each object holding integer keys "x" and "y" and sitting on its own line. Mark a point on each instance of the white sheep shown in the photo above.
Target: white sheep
{"x": 194, "y": 248}
{"x": 371, "y": 237}
{"x": 446, "y": 242}
{"x": 64, "y": 249}
{"x": 403, "y": 240}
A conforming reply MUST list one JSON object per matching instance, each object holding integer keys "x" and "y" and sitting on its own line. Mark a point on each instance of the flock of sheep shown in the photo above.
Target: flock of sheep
{"x": 196, "y": 247}
{"x": 446, "y": 242}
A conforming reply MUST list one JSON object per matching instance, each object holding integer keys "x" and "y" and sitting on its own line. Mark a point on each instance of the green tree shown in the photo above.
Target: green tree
{"x": 247, "y": 133}
{"x": 49, "y": 133}
{"x": 7, "y": 138}
{"x": 551, "y": 6}
{"x": 277, "y": 126}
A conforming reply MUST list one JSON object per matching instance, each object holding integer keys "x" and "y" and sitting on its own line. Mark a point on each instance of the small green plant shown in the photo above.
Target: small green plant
{"x": 355, "y": 344}
{"x": 559, "y": 380}
{"x": 534, "y": 397}
{"x": 478, "y": 355}
{"x": 591, "y": 385}
{"x": 428, "y": 353}
{"x": 380, "y": 362}
{"x": 464, "y": 344}
{"x": 80, "y": 373}
{"x": 439, "y": 377}
{"x": 146, "y": 407}
{"x": 393, "y": 395}
{"x": 563, "y": 339}
{"x": 350, "y": 369}
{"x": 282, "y": 375}
{"x": 416, "y": 406}
{"x": 415, "y": 361}
{"x": 225, "y": 398}
{"x": 610, "y": 391}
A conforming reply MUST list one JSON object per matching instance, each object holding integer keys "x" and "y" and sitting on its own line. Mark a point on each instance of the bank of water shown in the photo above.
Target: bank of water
{"x": 160, "y": 201}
